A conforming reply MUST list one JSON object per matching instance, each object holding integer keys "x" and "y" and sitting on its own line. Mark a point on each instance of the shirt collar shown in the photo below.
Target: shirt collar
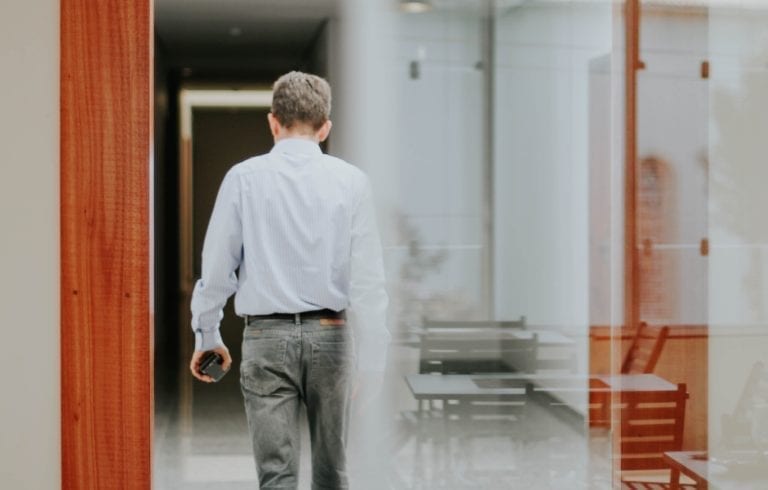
{"x": 297, "y": 146}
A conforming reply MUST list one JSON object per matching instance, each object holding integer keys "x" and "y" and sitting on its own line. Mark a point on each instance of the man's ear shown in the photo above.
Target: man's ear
{"x": 324, "y": 131}
{"x": 274, "y": 125}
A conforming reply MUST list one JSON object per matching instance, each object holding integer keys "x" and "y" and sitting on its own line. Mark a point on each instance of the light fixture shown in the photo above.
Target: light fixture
{"x": 415, "y": 6}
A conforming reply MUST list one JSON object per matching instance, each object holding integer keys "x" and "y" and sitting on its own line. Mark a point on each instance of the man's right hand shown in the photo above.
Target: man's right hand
{"x": 194, "y": 364}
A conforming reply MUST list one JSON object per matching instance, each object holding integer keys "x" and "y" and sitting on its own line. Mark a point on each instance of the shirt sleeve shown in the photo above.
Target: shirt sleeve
{"x": 368, "y": 297}
{"x": 222, "y": 254}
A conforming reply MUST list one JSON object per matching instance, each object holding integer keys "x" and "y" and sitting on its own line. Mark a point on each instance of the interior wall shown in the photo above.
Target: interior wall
{"x": 441, "y": 164}
{"x": 165, "y": 215}
{"x": 30, "y": 455}
{"x": 542, "y": 143}
{"x": 673, "y": 99}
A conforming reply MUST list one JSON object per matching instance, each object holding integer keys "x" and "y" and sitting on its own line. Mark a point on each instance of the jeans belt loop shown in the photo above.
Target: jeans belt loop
{"x": 297, "y": 318}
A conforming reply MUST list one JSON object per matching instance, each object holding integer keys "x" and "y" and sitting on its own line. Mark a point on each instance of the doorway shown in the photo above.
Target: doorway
{"x": 199, "y": 433}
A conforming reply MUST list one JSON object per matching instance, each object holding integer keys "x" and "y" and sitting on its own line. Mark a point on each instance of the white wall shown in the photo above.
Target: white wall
{"x": 29, "y": 247}
{"x": 542, "y": 139}
{"x": 440, "y": 155}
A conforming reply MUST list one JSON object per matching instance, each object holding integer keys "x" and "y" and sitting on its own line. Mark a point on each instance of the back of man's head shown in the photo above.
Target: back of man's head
{"x": 301, "y": 99}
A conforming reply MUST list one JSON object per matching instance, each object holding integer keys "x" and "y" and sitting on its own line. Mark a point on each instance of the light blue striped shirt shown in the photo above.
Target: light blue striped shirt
{"x": 301, "y": 227}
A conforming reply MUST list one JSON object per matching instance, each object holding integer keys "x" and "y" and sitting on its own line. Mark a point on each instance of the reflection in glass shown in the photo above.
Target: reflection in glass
{"x": 494, "y": 134}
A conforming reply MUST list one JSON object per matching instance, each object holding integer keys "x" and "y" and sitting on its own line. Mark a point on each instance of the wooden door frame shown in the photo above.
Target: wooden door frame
{"x": 106, "y": 243}
{"x": 189, "y": 100}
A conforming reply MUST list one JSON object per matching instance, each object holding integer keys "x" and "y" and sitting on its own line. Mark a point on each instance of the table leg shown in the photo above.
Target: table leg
{"x": 418, "y": 459}
{"x": 674, "y": 480}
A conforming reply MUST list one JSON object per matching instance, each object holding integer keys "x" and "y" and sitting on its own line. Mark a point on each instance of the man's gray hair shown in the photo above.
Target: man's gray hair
{"x": 301, "y": 98}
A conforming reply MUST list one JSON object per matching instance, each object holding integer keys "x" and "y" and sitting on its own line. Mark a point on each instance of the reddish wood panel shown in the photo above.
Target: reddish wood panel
{"x": 106, "y": 326}
{"x": 684, "y": 359}
{"x": 631, "y": 65}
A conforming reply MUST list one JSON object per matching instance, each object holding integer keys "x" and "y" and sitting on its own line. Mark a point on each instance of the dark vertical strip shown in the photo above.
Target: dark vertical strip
{"x": 489, "y": 74}
{"x": 631, "y": 279}
{"x": 106, "y": 322}
{"x": 632, "y": 63}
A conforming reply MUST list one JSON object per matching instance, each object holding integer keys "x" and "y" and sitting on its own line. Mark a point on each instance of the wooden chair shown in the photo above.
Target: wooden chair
{"x": 645, "y": 350}
{"x": 468, "y": 420}
{"x": 649, "y": 423}
{"x": 641, "y": 358}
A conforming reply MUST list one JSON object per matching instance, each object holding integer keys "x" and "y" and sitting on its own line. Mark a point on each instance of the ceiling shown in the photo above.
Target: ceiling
{"x": 225, "y": 35}
{"x": 256, "y": 39}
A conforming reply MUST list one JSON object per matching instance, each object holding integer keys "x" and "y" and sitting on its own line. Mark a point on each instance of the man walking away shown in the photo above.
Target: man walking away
{"x": 300, "y": 227}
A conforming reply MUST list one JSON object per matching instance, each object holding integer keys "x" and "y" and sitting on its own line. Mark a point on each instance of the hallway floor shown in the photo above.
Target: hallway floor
{"x": 208, "y": 447}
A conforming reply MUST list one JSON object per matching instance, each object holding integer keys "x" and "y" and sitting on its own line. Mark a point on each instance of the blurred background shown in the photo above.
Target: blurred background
{"x": 571, "y": 200}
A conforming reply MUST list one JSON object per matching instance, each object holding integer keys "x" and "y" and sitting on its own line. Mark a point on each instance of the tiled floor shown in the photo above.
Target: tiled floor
{"x": 210, "y": 447}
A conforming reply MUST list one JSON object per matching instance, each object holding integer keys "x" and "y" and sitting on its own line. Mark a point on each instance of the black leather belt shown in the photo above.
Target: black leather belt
{"x": 298, "y": 317}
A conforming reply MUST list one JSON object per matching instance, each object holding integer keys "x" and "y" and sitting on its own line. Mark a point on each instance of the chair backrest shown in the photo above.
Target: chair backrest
{"x": 649, "y": 423}
{"x": 645, "y": 350}
{"x": 465, "y": 353}
{"x": 428, "y": 323}
{"x": 556, "y": 360}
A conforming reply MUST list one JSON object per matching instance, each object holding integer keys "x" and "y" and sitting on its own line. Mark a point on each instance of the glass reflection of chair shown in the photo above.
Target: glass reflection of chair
{"x": 471, "y": 420}
{"x": 740, "y": 458}
{"x": 747, "y": 425}
{"x": 467, "y": 351}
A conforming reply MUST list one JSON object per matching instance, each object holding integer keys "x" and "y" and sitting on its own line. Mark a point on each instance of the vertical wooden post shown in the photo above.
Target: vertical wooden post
{"x": 632, "y": 64}
{"x": 631, "y": 265}
{"x": 106, "y": 323}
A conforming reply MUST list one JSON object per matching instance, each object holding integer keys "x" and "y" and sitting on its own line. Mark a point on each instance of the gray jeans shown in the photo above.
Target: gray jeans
{"x": 283, "y": 366}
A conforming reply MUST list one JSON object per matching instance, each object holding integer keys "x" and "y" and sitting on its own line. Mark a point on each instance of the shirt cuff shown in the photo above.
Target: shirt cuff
{"x": 208, "y": 339}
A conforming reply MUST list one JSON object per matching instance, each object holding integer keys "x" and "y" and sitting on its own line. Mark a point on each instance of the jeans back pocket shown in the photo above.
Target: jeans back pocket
{"x": 262, "y": 370}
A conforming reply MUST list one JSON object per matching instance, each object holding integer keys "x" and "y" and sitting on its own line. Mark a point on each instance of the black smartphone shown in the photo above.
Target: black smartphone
{"x": 211, "y": 365}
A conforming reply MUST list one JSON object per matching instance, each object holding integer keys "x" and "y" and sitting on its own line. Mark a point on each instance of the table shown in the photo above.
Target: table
{"x": 495, "y": 387}
{"x": 455, "y": 386}
{"x": 692, "y": 464}
{"x": 546, "y": 338}
{"x": 559, "y": 387}
{"x": 708, "y": 471}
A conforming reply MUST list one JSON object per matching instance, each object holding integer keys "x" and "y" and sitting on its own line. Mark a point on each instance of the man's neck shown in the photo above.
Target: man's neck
{"x": 301, "y": 136}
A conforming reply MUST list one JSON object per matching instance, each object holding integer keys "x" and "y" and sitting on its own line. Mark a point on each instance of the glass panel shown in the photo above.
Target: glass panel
{"x": 738, "y": 276}
{"x": 504, "y": 117}
{"x": 668, "y": 347}
{"x": 490, "y": 131}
